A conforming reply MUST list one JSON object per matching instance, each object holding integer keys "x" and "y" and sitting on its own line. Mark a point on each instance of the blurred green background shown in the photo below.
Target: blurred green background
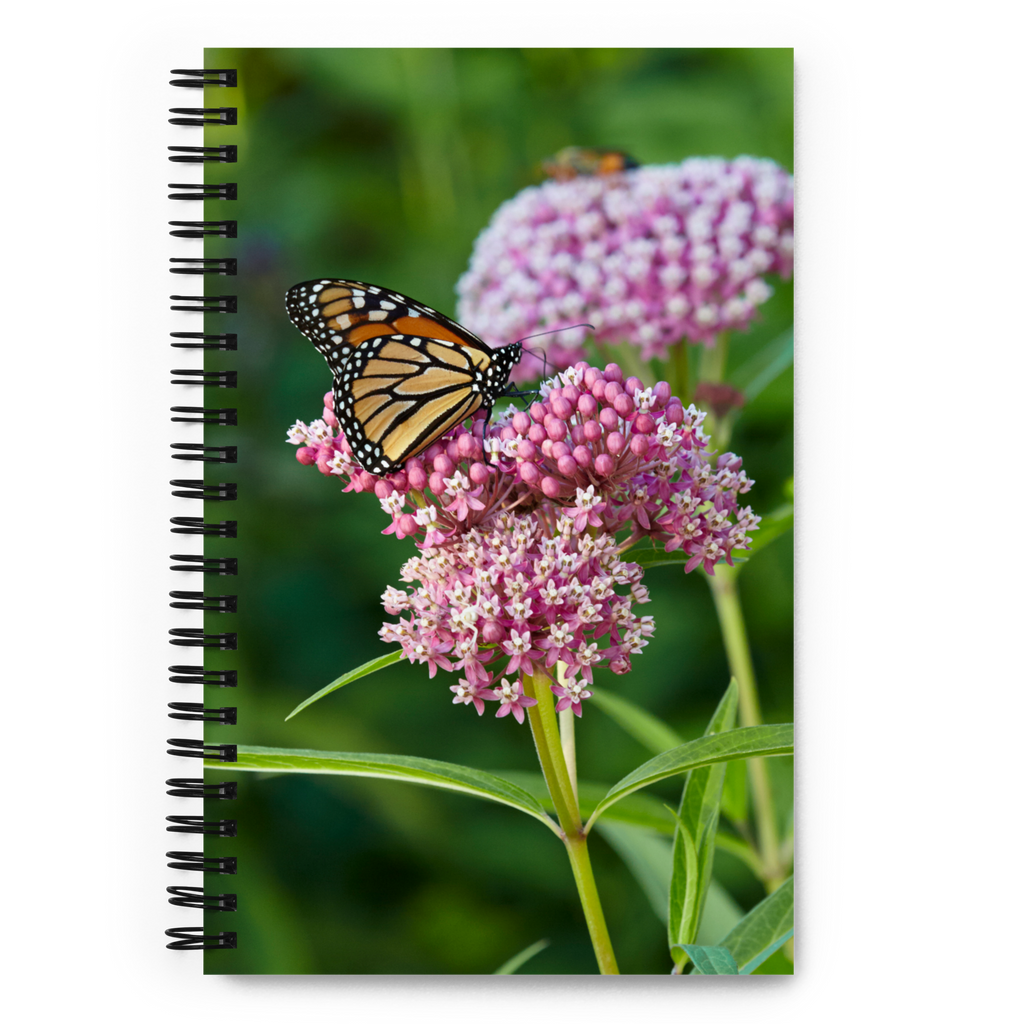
{"x": 384, "y": 165}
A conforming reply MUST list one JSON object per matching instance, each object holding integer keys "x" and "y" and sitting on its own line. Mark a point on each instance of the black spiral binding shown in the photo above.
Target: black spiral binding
{"x": 196, "y": 897}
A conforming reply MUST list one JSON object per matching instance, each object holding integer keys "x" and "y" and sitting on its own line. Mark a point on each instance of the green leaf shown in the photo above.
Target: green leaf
{"x": 349, "y": 677}
{"x": 763, "y": 367}
{"x": 734, "y": 792}
{"x": 640, "y": 724}
{"x": 772, "y": 525}
{"x": 420, "y": 770}
{"x": 639, "y": 810}
{"x": 513, "y": 964}
{"x": 763, "y": 930}
{"x": 711, "y": 959}
{"x": 683, "y": 894}
{"x": 750, "y": 741}
{"x": 786, "y": 846}
{"x": 694, "y": 849}
{"x": 767, "y": 952}
{"x": 648, "y": 856}
{"x": 698, "y": 808}
{"x": 721, "y": 914}
{"x": 648, "y": 558}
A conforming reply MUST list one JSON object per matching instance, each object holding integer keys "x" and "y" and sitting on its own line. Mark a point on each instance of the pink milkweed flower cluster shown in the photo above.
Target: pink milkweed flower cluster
{"x": 531, "y": 589}
{"x": 598, "y": 456}
{"x": 649, "y": 256}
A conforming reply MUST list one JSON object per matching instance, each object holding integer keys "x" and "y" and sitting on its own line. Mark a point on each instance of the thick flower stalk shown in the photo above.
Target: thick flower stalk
{"x": 521, "y": 525}
{"x": 650, "y": 256}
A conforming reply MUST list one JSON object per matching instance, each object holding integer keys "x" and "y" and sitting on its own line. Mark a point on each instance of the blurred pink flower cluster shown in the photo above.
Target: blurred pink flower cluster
{"x": 518, "y": 521}
{"x": 649, "y": 256}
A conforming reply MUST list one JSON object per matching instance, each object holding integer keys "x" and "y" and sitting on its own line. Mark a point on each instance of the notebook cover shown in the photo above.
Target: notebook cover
{"x": 384, "y": 166}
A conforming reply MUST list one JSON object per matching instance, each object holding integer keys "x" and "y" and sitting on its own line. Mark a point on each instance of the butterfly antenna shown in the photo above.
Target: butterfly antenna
{"x": 544, "y": 334}
{"x": 570, "y": 327}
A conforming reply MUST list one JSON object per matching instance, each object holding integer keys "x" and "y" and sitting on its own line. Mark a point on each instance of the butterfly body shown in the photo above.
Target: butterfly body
{"x": 404, "y": 374}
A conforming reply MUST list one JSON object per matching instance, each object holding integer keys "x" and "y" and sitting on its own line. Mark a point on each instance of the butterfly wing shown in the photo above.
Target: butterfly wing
{"x": 404, "y": 374}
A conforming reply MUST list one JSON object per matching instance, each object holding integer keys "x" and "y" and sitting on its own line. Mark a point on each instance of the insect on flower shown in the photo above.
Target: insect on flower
{"x": 577, "y": 161}
{"x": 404, "y": 374}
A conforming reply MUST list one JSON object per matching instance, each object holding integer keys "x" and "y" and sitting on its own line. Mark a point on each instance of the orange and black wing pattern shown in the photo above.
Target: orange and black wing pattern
{"x": 404, "y": 374}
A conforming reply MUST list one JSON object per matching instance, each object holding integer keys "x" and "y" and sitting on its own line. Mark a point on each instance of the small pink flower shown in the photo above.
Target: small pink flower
{"x": 464, "y": 497}
{"x": 513, "y": 699}
{"x": 572, "y": 696}
{"x": 432, "y": 653}
{"x": 557, "y": 642}
{"x": 587, "y": 508}
{"x": 584, "y": 658}
{"x": 521, "y": 649}
{"x": 468, "y": 692}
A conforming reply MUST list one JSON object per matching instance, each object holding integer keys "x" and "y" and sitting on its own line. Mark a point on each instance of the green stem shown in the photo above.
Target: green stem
{"x": 681, "y": 371}
{"x": 567, "y": 732}
{"x": 737, "y": 649}
{"x": 713, "y": 362}
{"x": 628, "y": 359}
{"x": 544, "y": 725}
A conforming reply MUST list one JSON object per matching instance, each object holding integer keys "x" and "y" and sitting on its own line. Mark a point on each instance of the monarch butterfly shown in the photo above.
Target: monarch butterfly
{"x": 404, "y": 374}
{"x": 577, "y": 161}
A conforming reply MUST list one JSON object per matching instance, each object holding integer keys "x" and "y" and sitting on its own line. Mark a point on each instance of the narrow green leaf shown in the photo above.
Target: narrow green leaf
{"x": 639, "y": 810}
{"x": 734, "y": 791}
{"x": 648, "y": 856}
{"x": 513, "y": 964}
{"x": 702, "y": 792}
{"x": 763, "y": 930}
{"x": 651, "y": 557}
{"x": 773, "y": 525}
{"x": 420, "y": 770}
{"x": 711, "y": 959}
{"x": 763, "y": 367}
{"x": 683, "y": 892}
{"x": 767, "y": 952}
{"x": 750, "y": 741}
{"x": 640, "y": 724}
{"x": 698, "y": 807}
{"x": 786, "y": 846}
{"x": 721, "y": 914}
{"x": 349, "y": 677}
{"x": 694, "y": 847}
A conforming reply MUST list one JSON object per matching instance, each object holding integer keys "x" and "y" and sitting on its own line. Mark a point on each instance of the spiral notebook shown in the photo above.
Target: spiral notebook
{"x": 193, "y": 493}
{"x": 276, "y": 570}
